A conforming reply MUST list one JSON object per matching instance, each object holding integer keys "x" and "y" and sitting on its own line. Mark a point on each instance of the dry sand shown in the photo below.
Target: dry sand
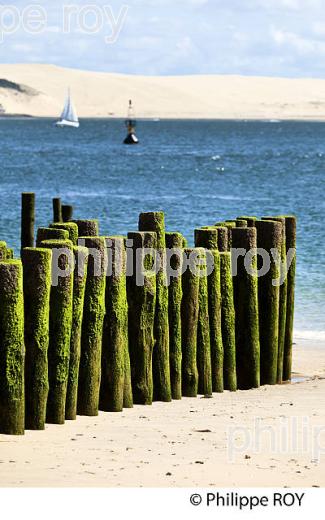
{"x": 184, "y": 443}
{"x": 104, "y": 94}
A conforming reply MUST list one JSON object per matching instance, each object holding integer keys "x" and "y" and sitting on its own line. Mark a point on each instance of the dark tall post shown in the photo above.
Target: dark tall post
{"x": 92, "y": 328}
{"x": 203, "y": 337}
{"x": 67, "y": 213}
{"x": 208, "y": 238}
{"x": 57, "y": 210}
{"x": 12, "y": 350}
{"x": 246, "y": 309}
{"x": 141, "y": 293}
{"x": 283, "y": 298}
{"x": 269, "y": 236}
{"x": 60, "y": 327}
{"x": 291, "y": 224}
{"x": 155, "y": 222}
{"x": 79, "y": 287}
{"x": 37, "y": 264}
{"x": 174, "y": 244}
{"x": 27, "y": 219}
{"x": 190, "y": 316}
{"x": 115, "y": 331}
{"x": 228, "y": 323}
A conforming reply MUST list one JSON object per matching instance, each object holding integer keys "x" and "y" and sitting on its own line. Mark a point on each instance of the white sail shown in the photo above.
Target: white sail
{"x": 69, "y": 114}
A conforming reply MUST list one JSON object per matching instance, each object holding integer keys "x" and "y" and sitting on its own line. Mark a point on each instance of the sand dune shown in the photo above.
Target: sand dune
{"x": 102, "y": 94}
{"x": 188, "y": 442}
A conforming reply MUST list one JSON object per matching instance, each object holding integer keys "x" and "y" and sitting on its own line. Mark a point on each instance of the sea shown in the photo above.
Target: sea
{"x": 197, "y": 172}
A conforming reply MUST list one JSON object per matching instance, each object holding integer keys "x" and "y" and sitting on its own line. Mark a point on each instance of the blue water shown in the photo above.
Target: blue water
{"x": 198, "y": 172}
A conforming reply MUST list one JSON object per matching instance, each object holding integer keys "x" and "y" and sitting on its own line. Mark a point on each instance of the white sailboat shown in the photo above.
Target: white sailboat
{"x": 69, "y": 114}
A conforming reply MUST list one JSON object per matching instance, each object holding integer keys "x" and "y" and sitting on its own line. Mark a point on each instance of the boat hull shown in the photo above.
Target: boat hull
{"x": 63, "y": 123}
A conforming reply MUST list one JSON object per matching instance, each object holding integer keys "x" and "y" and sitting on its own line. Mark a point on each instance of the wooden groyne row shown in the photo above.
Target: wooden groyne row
{"x": 97, "y": 338}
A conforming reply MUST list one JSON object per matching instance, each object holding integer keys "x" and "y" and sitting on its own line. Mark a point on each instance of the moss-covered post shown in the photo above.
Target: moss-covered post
{"x": 60, "y": 327}
{"x": 50, "y": 234}
{"x": 27, "y": 219}
{"x": 283, "y": 298}
{"x": 208, "y": 238}
{"x": 155, "y": 222}
{"x": 67, "y": 212}
{"x": 229, "y": 224}
{"x": 203, "y": 332}
{"x": 12, "y": 349}
{"x": 269, "y": 236}
{"x": 228, "y": 322}
{"x": 141, "y": 293}
{"x": 245, "y": 284}
{"x": 70, "y": 227}
{"x": 115, "y": 332}
{"x": 37, "y": 264}
{"x": 9, "y": 254}
{"x": 87, "y": 228}
{"x": 3, "y": 250}
{"x": 241, "y": 223}
{"x": 190, "y": 316}
{"x": 79, "y": 287}
{"x": 250, "y": 220}
{"x": 291, "y": 224}
{"x": 92, "y": 327}
{"x": 57, "y": 210}
{"x": 174, "y": 244}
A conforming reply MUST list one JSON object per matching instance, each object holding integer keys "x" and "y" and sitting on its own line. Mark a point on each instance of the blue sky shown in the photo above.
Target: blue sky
{"x": 251, "y": 37}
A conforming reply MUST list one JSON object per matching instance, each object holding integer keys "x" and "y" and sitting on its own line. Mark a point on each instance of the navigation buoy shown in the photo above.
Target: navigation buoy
{"x": 130, "y": 124}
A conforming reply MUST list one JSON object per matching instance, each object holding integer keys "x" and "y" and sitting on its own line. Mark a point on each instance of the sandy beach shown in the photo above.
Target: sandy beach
{"x": 185, "y": 443}
{"x": 40, "y": 90}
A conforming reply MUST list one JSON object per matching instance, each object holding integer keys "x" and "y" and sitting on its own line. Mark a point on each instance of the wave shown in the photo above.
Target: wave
{"x": 318, "y": 335}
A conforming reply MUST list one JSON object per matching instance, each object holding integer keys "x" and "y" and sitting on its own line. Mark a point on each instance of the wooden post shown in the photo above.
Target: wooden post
{"x": 174, "y": 244}
{"x": 155, "y": 222}
{"x": 12, "y": 350}
{"x": 141, "y": 295}
{"x": 269, "y": 236}
{"x": 228, "y": 323}
{"x": 291, "y": 225}
{"x": 87, "y": 228}
{"x": 57, "y": 210}
{"x": 246, "y": 310}
{"x": 92, "y": 327}
{"x": 67, "y": 212}
{"x": 27, "y": 219}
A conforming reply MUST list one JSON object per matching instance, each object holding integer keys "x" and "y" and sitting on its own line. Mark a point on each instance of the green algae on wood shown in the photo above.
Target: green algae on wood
{"x": 250, "y": 220}
{"x": 67, "y": 212}
{"x": 3, "y": 250}
{"x": 291, "y": 224}
{"x": 155, "y": 222}
{"x": 269, "y": 236}
{"x": 228, "y": 322}
{"x": 44, "y": 233}
{"x": 37, "y": 264}
{"x": 229, "y": 224}
{"x": 241, "y": 223}
{"x": 115, "y": 331}
{"x": 92, "y": 327}
{"x": 174, "y": 244}
{"x": 27, "y": 219}
{"x": 142, "y": 304}
{"x": 61, "y": 304}
{"x": 245, "y": 284}
{"x": 12, "y": 349}
{"x": 209, "y": 238}
{"x": 79, "y": 287}
{"x": 70, "y": 227}
{"x": 87, "y": 228}
{"x": 223, "y": 245}
{"x": 190, "y": 316}
{"x": 9, "y": 254}
{"x": 283, "y": 298}
{"x": 57, "y": 210}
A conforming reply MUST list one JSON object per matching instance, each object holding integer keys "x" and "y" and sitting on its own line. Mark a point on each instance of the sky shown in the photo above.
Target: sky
{"x": 168, "y": 37}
